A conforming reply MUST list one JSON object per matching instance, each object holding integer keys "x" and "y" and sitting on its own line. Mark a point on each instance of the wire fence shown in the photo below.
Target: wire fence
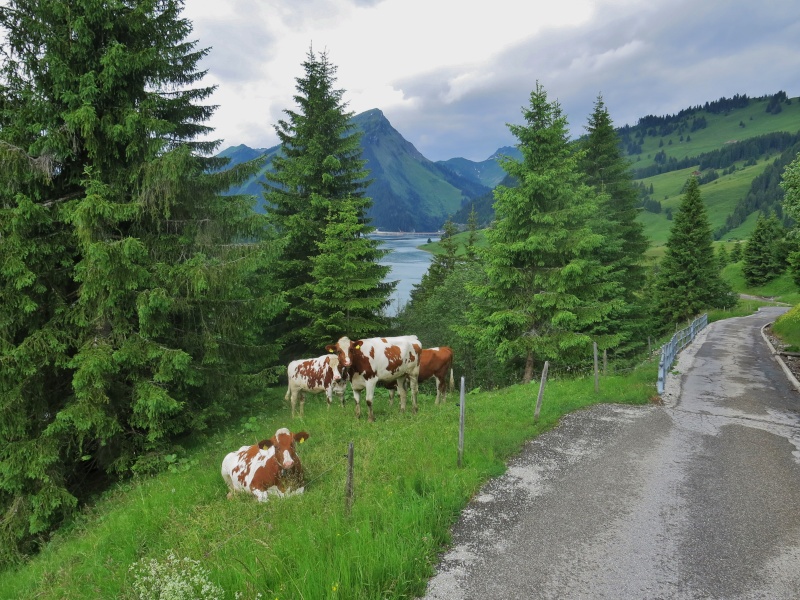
{"x": 679, "y": 341}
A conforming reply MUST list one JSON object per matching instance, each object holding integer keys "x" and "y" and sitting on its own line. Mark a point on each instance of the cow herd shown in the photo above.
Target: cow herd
{"x": 272, "y": 466}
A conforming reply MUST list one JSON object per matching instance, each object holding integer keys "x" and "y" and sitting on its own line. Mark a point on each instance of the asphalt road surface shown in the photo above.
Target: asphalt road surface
{"x": 698, "y": 498}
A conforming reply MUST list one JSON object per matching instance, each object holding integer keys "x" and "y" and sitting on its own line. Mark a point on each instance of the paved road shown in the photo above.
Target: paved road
{"x": 698, "y": 498}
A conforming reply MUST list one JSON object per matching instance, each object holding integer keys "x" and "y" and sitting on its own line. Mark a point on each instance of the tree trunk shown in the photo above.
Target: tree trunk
{"x": 526, "y": 378}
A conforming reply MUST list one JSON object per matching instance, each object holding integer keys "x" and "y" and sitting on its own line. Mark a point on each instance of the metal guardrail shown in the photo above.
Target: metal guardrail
{"x": 679, "y": 341}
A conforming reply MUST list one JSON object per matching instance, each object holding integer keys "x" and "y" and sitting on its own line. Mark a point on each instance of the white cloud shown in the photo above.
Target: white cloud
{"x": 450, "y": 74}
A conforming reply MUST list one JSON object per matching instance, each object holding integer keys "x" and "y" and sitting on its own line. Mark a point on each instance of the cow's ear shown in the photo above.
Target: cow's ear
{"x": 264, "y": 444}
{"x": 358, "y": 345}
{"x": 330, "y": 348}
{"x": 301, "y": 437}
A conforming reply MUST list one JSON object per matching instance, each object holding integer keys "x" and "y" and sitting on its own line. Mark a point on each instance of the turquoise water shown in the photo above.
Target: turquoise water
{"x": 408, "y": 264}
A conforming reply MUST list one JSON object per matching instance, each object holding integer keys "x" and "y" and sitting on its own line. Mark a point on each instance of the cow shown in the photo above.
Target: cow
{"x": 372, "y": 360}
{"x": 433, "y": 362}
{"x": 315, "y": 375}
{"x": 269, "y": 467}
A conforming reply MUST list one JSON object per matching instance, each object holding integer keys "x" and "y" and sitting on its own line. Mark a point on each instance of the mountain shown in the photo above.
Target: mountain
{"x": 735, "y": 146}
{"x": 488, "y": 173}
{"x": 408, "y": 191}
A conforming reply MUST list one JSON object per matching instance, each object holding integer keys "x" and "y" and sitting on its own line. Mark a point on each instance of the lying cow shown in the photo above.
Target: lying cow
{"x": 315, "y": 375}
{"x": 433, "y": 362}
{"x": 379, "y": 359}
{"x": 269, "y": 467}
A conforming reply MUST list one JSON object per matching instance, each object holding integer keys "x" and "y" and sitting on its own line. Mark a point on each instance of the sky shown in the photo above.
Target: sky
{"x": 451, "y": 75}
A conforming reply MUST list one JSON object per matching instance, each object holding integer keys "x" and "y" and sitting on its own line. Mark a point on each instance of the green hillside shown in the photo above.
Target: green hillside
{"x": 720, "y": 133}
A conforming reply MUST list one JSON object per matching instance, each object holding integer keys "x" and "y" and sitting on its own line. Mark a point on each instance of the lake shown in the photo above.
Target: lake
{"x": 408, "y": 264}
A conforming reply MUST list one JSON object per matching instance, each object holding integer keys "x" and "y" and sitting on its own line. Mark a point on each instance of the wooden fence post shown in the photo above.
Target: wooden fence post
{"x": 348, "y": 488}
{"x": 605, "y": 361}
{"x": 461, "y": 406}
{"x": 541, "y": 391}
{"x": 596, "y": 373}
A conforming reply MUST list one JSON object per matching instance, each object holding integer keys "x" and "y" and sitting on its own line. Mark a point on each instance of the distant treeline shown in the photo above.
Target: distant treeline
{"x": 765, "y": 194}
{"x": 722, "y": 158}
{"x": 661, "y": 126}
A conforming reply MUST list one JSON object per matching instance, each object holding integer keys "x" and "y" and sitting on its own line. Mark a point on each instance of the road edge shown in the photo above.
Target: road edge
{"x": 776, "y": 356}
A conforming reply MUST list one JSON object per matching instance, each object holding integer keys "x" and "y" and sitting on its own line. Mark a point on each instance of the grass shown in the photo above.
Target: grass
{"x": 722, "y": 128}
{"x": 780, "y": 289}
{"x": 408, "y": 493}
{"x": 787, "y": 327}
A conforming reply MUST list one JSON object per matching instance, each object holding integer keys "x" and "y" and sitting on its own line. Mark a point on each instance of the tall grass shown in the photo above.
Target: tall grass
{"x": 408, "y": 493}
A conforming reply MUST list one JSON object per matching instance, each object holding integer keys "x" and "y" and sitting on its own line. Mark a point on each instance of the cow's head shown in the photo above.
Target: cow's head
{"x": 285, "y": 444}
{"x": 344, "y": 350}
{"x": 336, "y": 367}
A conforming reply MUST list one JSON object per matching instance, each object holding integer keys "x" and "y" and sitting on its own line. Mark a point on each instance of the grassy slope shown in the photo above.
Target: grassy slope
{"x": 408, "y": 493}
{"x": 720, "y": 130}
{"x": 722, "y": 195}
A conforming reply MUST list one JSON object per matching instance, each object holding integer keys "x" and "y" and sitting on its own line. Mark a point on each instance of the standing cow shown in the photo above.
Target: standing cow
{"x": 433, "y": 362}
{"x": 315, "y": 375}
{"x": 379, "y": 359}
{"x": 269, "y": 467}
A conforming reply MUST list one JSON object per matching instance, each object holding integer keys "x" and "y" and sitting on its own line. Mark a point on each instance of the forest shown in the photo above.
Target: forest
{"x": 139, "y": 303}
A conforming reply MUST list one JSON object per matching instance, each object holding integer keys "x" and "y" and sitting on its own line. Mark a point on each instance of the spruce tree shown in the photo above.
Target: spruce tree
{"x": 347, "y": 293}
{"x": 319, "y": 165}
{"x": 763, "y": 253}
{"x": 441, "y": 265}
{"x": 470, "y": 250}
{"x": 544, "y": 283}
{"x": 609, "y": 173}
{"x": 688, "y": 281}
{"x": 736, "y": 252}
{"x": 723, "y": 257}
{"x": 791, "y": 207}
{"x": 130, "y": 311}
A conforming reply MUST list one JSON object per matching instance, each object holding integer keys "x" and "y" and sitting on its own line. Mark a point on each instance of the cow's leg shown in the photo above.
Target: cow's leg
{"x": 414, "y": 382}
{"x": 294, "y": 401}
{"x": 401, "y": 390}
{"x": 302, "y": 402}
{"x": 357, "y": 398}
{"x": 370, "y": 395}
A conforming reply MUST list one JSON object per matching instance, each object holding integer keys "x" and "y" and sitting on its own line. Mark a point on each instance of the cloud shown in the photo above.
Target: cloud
{"x": 450, "y": 78}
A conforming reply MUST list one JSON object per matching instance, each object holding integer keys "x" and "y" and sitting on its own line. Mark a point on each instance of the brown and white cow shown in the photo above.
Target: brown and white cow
{"x": 433, "y": 362}
{"x": 269, "y": 467}
{"x": 315, "y": 375}
{"x": 372, "y": 360}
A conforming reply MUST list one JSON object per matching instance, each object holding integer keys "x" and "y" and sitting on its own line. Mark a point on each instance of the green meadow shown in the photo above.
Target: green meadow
{"x": 408, "y": 492}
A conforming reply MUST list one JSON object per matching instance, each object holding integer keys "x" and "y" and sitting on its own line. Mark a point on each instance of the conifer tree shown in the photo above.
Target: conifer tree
{"x": 791, "y": 207}
{"x": 688, "y": 281}
{"x": 625, "y": 244}
{"x": 470, "y": 250}
{"x": 736, "y": 252}
{"x": 763, "y": 252}
{"x": 441, "y": 265}
{"x": 130, "y": 311}
{"x": 544, "y": 283}
{"x": 723, "y": 257}
{"x": 347, "y": 293}
{"x": 319, "y": 165}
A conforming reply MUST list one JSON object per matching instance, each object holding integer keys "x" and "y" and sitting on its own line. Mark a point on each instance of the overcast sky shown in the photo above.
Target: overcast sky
{"x": 451, "y": 74}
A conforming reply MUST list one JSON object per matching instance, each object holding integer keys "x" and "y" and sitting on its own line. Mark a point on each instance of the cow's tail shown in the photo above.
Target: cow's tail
{"x": 286, "y": 397}
{"x": 452, "y": 381}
